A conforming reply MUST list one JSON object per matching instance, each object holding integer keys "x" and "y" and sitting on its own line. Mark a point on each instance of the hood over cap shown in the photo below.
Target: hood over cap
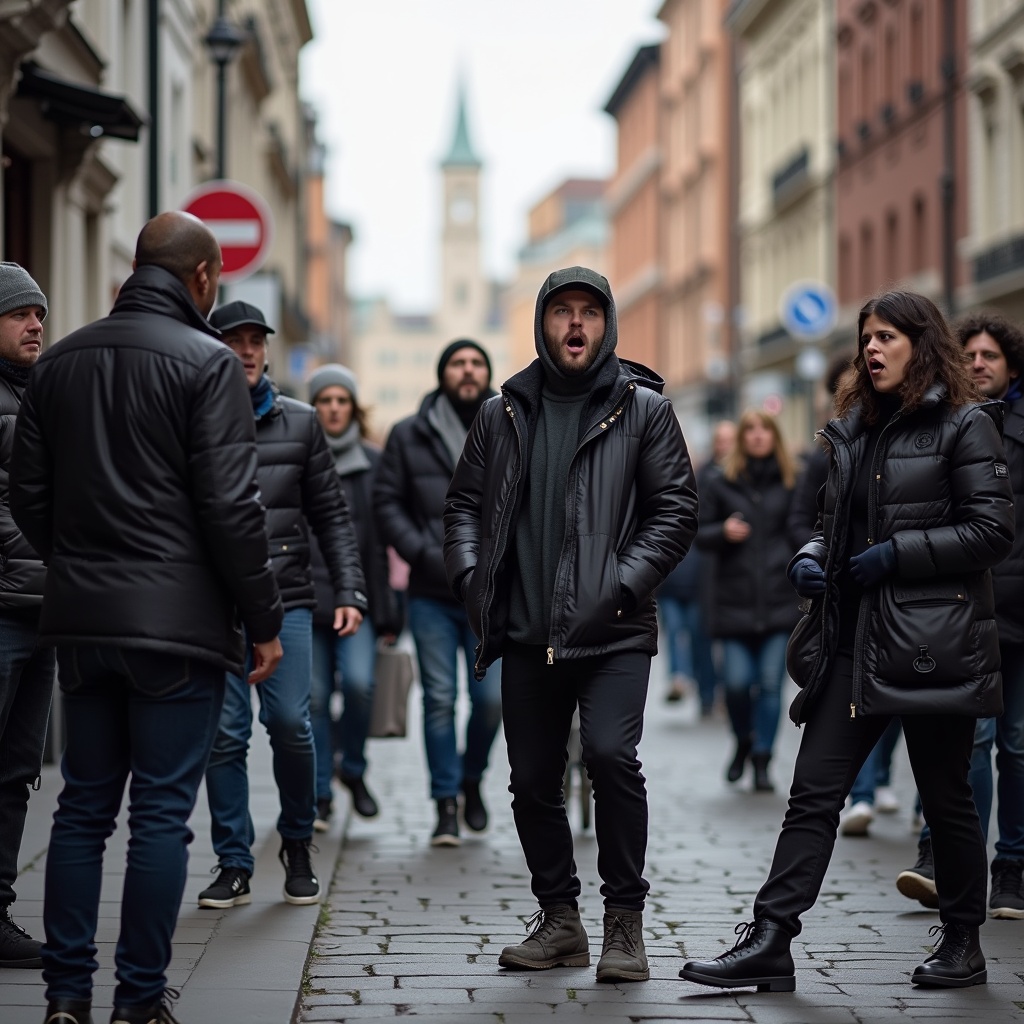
{"x": 588, "y": 280}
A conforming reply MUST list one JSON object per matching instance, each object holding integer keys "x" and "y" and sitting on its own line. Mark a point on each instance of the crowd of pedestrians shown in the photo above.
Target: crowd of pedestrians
{"x": 176, "y": 533}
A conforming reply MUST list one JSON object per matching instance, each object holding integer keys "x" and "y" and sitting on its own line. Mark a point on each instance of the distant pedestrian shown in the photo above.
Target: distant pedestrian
{"x": 26, "y": 669}
{"x": 417, "y": 467}
{"x": 744, "y": 509}
{"x": 134, "y": 478}
{"x": 916, "y": 511}
{"x": 573, "y": 500}
{"x": 995, "y": 350}
{"x": 347, "y": 662}
{"x": 300, "y": 491}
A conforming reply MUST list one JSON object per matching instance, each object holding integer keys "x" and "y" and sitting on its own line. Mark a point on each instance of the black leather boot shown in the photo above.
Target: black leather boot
{"x": 956, "y": 960}
{"x": 68, "y": 1011}
{"x": 760, "y": 958}
{"x": 739, "y": 761}
{"x": 762, "y": 784}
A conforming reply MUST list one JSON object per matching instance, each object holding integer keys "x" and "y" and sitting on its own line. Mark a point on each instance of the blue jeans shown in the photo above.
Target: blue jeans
{"x": 26, "y": 688}
{"x": 876, "y": 769}
{"x": 689, "y": 645}
{"x": 439, "y": 630}
{"x": 350, "y": 660}
{"x": 753, "y": 668}
{"x": 284, "y": 712}
{"x": 151, "y": 716}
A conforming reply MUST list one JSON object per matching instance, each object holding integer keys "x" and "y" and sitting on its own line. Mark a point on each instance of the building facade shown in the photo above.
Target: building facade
{"x": 994, "y": 248}
{"x": 901, "y": 203}
{"x": 395, "y": 355}
{"x": 786, "y": 225}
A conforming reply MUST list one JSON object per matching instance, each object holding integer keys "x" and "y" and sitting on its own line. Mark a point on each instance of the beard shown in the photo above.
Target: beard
{"x": 570, "y": 363}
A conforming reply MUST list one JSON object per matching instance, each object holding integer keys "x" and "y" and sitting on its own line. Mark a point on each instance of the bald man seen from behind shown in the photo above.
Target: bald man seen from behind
{"x": 134, "y": 478}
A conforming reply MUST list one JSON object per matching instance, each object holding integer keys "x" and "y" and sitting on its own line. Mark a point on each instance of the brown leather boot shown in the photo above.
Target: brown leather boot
{"x": 557, "y": 939}
{"x": 623, "y": 957}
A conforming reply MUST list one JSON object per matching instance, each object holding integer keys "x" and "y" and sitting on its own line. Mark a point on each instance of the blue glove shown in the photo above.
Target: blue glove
{"x": 807, "y": 577}
{"x": 874, "y": 564}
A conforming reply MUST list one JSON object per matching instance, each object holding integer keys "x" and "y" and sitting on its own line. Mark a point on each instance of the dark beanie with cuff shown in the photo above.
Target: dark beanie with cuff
{"x": 454, "y": 347}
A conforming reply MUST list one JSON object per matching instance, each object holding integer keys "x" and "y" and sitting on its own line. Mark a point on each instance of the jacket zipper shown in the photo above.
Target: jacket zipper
{"x": 606, "y": 421}
{"x": 863, "y": 612}
{"x": 498, "y": 547}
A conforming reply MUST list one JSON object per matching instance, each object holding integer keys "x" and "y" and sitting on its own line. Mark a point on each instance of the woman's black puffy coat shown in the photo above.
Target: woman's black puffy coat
{"x": 939, "y": 489}
{"x": 383, "y": 611}
{"x": 751, "y": 595}
{"x": 300, "y": 489}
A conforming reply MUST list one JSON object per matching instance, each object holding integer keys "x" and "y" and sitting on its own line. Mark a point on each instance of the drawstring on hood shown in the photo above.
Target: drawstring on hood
{"x": 555, "y": 378}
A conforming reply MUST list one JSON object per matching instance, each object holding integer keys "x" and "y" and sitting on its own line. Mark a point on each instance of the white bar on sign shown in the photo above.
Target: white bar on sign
{"x": 235, "y": 232}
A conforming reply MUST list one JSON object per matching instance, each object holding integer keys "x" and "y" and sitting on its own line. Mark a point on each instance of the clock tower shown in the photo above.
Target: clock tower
{"x": 464, "y": 293}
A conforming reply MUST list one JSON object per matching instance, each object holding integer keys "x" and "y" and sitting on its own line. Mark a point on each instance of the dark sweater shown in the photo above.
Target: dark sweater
{"x": 540, "y": 531}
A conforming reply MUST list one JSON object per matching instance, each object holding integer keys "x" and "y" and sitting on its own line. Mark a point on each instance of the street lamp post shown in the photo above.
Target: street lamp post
{"x": 223, "y": 43}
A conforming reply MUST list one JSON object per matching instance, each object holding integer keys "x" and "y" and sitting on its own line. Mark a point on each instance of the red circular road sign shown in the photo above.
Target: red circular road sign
{"x": 239, "y": 218}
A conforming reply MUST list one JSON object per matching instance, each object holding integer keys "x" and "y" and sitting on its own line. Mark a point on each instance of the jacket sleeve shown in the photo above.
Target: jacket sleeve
{"x": 31, "y": 480}
{"x": 710, "y": 535}
{"x": 462, "y": 507}
{"x": 13, "y": 545}
{"x": 666, "y": 495}
{"x": 326, "y": 511}
{"x": 981, "y": 498}
{"x": 226, "y": 497}
{"x": 392, "y": 498}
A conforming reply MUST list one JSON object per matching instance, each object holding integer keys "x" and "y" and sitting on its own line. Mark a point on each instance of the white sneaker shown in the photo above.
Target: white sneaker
{"x": 855, "y": 821}
{"x": 886, "y": 800}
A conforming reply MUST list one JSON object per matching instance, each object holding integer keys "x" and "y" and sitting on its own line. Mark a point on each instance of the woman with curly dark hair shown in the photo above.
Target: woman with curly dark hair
{"x": 917, "y": 509}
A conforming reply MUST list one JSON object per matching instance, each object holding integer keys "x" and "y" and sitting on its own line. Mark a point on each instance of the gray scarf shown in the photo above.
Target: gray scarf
{"x": 445, "y": 420}
{"x": 348, "y": 453}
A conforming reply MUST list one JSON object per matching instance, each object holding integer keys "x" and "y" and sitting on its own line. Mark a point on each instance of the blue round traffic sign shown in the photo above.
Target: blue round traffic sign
{"x": 808, "y": 310}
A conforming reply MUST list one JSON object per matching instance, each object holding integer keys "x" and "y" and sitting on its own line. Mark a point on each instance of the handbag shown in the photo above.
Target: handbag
{"x": 393, "y": 675}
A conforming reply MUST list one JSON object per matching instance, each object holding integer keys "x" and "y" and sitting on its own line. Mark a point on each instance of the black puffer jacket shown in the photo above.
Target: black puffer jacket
{"x": 382, "y": 602}
{"x": 751, "y": 595}
{"x": 631, "y": 513}
{"x": 1008, "y": 575}
{"x": 409, "y": 491}
{"x": 926, "y": 636}
{"x": 22, "y": 573}
{"x": 134, "y": 476}
{"x": 300, "y": 489}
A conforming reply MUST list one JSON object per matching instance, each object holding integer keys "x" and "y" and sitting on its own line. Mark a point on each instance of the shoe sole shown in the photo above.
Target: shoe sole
{"x": 777, "y": 984}
{"x": 917, "y": 887}
{"x": 33, "y": 964}
{"x": 857, "y": 826}
{"x": 980, "y": 978}
{"x": 300, "y": 901}
{"x": 445, "y": 841}
{"x": 1006, "y": 913}
{"x": 616, "y": 974}
{"x": 235, "y": 901}
{"x": 577, "y": 960}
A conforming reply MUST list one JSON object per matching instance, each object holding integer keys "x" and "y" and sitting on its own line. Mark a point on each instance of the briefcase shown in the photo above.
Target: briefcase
{"x": 393, "y": 674}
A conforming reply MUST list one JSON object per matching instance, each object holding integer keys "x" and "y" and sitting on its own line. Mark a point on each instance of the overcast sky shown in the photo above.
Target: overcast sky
{"x": 383, "y": 75}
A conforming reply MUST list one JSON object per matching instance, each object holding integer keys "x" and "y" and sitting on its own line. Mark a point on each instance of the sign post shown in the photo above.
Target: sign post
{"x": 240, "y": 220}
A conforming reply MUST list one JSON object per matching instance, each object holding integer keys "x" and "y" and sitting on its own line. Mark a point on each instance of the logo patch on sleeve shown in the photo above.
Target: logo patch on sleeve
{"x": 1001, "y": 470}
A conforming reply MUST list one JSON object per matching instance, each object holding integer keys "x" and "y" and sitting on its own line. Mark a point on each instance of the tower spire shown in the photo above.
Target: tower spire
{"x": 461, "y": 153}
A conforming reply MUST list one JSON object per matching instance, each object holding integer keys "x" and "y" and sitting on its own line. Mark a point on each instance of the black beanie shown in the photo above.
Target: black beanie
{"x": 454, "y": 347}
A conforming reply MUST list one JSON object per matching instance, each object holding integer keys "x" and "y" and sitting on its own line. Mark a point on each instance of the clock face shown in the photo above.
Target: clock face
{"x": 461, "y": 210}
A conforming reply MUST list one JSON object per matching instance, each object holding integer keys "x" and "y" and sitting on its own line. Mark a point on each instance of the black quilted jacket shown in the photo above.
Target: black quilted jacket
{"x": 926, "y": 636}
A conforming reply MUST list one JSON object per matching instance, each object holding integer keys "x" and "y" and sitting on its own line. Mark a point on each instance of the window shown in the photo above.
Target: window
{"x": 846, "y": 285}
{"x": 867, "y": 259}
{"x": 919, "y": 237}
{"x": 892, "y": 249}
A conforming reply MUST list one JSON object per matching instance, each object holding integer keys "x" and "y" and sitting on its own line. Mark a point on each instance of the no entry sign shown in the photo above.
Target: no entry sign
{"x": 239, "y": 218}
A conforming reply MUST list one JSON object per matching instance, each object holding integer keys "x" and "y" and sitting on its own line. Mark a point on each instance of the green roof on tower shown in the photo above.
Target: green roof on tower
{"x": 461, "y": 153}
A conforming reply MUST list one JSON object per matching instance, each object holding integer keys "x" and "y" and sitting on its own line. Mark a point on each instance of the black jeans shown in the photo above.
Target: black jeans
{"x": 538, "y": 701}
{"x": 833, "y": 748}
{"x": 26, "y": 689}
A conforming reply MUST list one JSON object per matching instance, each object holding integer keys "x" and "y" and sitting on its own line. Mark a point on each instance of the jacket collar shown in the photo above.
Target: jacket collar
{"x": 152, "y": 289}
{"x": 615, "y": 372}
{"x": 853, "y": 425}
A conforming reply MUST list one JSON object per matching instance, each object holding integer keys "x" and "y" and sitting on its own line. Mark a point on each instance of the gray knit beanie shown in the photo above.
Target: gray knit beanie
{"x": 329, "y": 375}
{"x": 17, "y": 289}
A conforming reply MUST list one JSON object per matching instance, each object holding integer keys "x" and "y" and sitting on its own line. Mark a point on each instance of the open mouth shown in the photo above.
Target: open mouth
{"x": 875, "y": 366}
{"x": 576, "y": 344}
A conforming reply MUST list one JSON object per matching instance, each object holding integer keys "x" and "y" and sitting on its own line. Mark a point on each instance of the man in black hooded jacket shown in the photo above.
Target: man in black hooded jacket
{"x": 574, "y": 498}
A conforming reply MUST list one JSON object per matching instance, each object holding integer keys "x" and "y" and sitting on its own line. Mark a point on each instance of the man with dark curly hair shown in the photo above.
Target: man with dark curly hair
{"x": 995, "y": 353}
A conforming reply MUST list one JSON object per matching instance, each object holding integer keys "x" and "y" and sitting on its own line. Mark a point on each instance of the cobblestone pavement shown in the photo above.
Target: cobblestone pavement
{"x": 410, "y": 930}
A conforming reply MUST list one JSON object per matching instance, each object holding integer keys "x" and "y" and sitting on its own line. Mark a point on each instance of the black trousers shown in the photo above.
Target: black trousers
{"x": 538, "y": 701}
{"x": 833, "y": 748}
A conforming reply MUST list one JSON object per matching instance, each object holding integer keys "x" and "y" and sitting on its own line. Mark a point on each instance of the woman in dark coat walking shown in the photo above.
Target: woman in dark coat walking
{"x": 917, "y": 509}
{"x": 743, "y": 513}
